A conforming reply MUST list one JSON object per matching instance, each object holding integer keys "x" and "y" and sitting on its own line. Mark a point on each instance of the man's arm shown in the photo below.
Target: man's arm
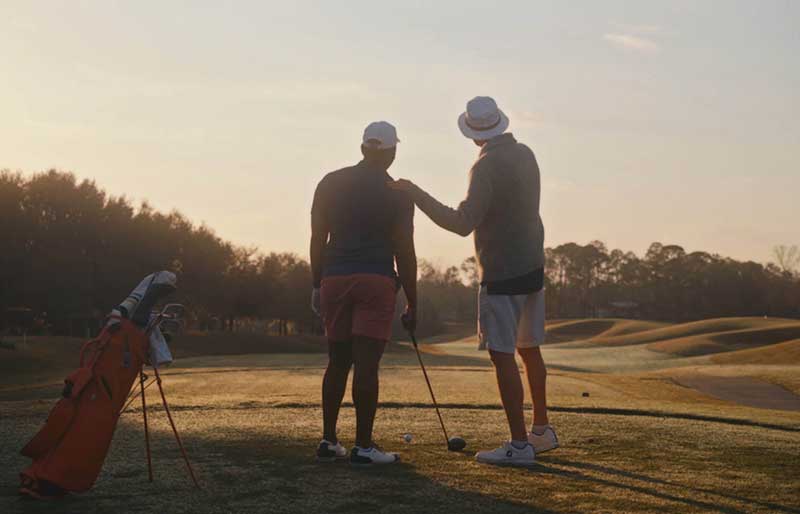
{"x": 319, "y": 236}
{"x": 467, "y": 215}
{"x": 406, "y": 258}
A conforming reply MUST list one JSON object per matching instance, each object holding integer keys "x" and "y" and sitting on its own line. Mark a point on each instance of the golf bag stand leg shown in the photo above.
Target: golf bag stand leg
{"x": 146, "y": 429}
{"x": 174, "y": 429}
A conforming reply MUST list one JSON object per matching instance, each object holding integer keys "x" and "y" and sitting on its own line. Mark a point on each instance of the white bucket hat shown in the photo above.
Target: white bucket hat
{"x": 482, "y": 120}
{"x": 380, "y": 135}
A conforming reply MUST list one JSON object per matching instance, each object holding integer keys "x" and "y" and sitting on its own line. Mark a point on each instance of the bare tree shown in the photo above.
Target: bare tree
{"x": 787, "y": 257}
{"x": 469, "y": 271}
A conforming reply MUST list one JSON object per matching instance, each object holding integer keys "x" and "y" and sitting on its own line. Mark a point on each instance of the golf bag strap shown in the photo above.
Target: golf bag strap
{"x": 77, "y": 380}
{"x": 101, "y": 340}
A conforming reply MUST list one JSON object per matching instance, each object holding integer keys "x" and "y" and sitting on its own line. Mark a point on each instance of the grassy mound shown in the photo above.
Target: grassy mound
{"x": 732, "y": 340}
{"x": 683, "y": 330}
{"x": 786, "y": 353}
{"x": 578, "y": 329}
{"x": 630, "y": 326}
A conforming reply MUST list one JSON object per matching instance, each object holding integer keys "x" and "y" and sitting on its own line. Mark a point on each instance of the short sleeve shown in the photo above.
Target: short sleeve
{"x": 319, "y": 208}
{"x": 404, "y": 220}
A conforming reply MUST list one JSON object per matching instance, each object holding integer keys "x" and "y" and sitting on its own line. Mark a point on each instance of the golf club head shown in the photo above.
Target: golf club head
{"x": 170, "y": 320}
{"x": 171, "y": 325}
{"x": 456, "y": 444}
{"x": 173, "y": 311}
{"x": 171, "y": 328}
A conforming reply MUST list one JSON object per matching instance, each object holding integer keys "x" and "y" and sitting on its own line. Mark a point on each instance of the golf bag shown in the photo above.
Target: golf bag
{"x": 69, "y": 450}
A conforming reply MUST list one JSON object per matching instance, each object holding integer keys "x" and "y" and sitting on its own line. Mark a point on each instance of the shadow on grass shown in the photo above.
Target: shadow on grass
{"x": 542, "y": 468}
{"x": 546, "y": 466}
{"x": 251, "y": 471}
{"x": 299, "y": 484}
{"x": 605, "y": 411}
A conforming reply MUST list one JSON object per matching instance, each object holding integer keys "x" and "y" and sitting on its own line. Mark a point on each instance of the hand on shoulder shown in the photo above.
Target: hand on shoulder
{"x": 402, "y": 184}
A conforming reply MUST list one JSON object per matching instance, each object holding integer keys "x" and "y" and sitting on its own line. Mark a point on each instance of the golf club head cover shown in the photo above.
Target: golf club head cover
{"x": 159, "y": 354}
{"x": 138, "y": 305}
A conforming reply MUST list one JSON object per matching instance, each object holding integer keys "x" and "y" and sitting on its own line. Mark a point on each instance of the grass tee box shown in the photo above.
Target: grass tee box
{"x": 640, "y": 442}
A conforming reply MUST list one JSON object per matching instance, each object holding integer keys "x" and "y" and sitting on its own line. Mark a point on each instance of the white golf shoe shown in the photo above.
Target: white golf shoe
{"x": 369, "y": 456}
{"x": 508, "y": 455}
{"x": 329, "y": 452}
{"x": 545, "y": 442}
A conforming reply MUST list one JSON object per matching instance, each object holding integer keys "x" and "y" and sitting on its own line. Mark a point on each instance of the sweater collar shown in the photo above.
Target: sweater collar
{"x": 501, "y": 140}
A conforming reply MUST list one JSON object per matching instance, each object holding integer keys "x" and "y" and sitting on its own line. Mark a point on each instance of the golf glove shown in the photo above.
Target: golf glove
{"x": 409, "y": 319}
{"x": 316, "y": 301}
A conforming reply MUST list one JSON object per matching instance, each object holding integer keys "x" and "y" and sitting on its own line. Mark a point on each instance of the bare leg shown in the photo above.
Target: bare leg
{"x": 340, "y": 360}
{"x": 367, "y": 353}
{"x": 537, "y": 381}
{"x": 511, "y": 392}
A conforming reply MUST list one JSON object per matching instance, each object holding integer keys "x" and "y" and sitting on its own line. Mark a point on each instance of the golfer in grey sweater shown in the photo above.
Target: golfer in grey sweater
{"x": 502, "y": 210}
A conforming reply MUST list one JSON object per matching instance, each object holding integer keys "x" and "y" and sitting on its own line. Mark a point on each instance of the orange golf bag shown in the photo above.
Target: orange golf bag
{"x": 68, "y": 452}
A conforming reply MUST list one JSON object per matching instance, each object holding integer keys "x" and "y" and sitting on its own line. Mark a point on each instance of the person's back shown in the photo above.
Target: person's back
{"x": 509, "y": 240}
{"x": 362, "y": 215}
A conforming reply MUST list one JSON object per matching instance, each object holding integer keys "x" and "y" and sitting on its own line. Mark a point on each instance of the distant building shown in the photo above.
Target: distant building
{"x": 620, "y": 309}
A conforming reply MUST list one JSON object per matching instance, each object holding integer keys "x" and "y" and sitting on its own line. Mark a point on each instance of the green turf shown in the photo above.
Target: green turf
{"x": 638, "y": 443}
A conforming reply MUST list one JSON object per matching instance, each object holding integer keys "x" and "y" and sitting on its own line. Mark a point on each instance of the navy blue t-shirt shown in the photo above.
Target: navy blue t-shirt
{"x": 364, "y": 219}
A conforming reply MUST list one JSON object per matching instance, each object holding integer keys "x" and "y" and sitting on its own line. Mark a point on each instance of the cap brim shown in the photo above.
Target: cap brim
{"x": 483, "y": 135}
{"x": 382, "y": 146}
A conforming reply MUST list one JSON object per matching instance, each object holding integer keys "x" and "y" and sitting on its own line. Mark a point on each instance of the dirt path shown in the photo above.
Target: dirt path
{"x": 743, "y": 390}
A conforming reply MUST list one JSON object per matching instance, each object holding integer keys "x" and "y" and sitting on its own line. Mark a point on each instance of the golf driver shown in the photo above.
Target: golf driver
{"x": 454, "y": 444}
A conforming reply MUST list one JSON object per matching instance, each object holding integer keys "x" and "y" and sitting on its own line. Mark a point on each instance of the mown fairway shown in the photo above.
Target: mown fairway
{"x": 643, "y": 440}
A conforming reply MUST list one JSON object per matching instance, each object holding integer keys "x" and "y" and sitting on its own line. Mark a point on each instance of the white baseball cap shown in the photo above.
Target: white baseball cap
{"x": 482, "y": 120}
{"x": 380, "y": 135}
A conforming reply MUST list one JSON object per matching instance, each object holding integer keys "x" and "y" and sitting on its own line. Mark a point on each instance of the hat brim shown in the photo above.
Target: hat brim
{"x": 381, "y": 146}
{"x": 483, "y": 135}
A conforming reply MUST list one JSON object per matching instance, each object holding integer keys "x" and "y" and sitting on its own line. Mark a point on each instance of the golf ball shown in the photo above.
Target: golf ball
{"x": 407, "y": 438}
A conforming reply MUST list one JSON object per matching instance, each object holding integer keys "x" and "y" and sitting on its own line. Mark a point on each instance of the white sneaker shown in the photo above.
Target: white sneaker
{"x": 545, "y": 442}
{"x": 370, "y": 456}
{"x": 507, "y": 455}
{"x": 329, "y": 452}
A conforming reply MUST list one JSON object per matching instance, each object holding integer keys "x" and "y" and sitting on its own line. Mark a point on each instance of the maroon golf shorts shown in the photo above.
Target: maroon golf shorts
{"x": 361, "y": 304}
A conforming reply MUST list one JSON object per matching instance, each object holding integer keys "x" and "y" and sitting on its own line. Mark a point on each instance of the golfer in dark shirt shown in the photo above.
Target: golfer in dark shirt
{"x": 360, "y": 228}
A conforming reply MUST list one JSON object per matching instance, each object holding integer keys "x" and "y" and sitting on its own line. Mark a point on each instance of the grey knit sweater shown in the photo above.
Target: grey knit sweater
{"x": 501, "y": 207}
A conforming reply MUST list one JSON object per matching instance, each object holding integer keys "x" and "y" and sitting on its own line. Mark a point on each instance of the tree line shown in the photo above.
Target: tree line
{"x": 667, "y": 283}
{"x": 69, "y": 252}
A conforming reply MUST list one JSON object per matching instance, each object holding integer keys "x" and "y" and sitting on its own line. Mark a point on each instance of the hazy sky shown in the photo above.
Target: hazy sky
{"x": 674, "y": 121}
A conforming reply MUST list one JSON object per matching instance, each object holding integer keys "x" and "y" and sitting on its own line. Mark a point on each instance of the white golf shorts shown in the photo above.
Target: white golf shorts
{"x": 508, "y": 322}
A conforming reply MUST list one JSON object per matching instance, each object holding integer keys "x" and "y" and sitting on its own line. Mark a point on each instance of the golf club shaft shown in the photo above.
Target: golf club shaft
{"x": 427, "y": 381}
